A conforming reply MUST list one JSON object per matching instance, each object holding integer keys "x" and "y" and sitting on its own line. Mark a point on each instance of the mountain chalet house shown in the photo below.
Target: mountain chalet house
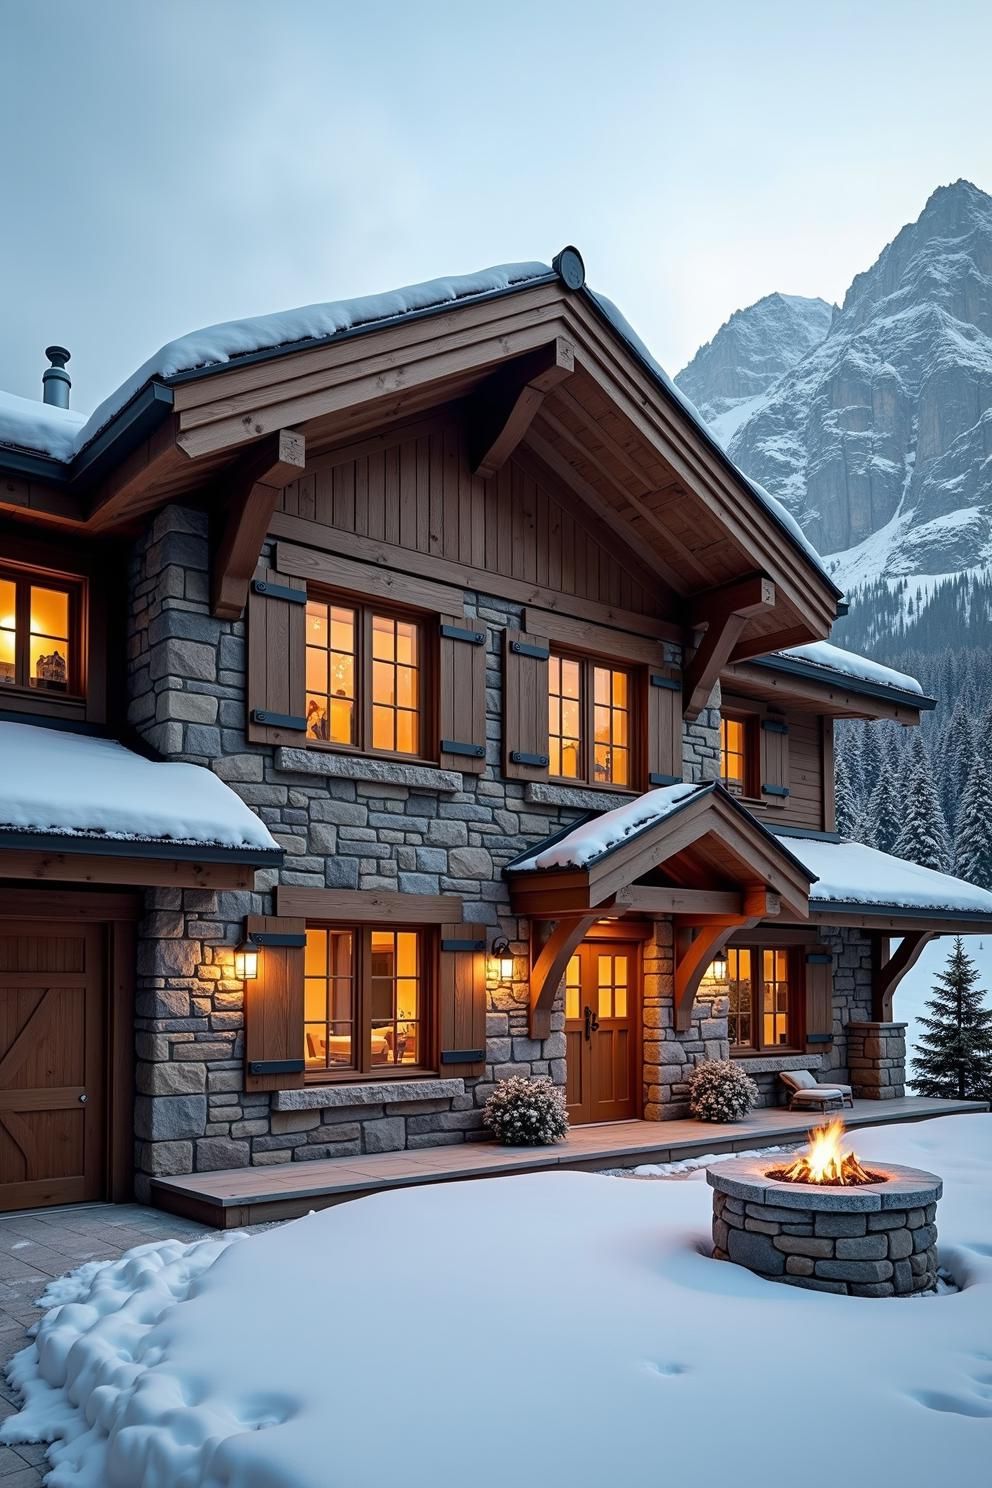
{"x": 397, "y": 695}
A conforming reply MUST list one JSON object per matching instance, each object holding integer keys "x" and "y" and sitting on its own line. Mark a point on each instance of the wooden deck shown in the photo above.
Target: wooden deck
{"x": 243, "y": 1196}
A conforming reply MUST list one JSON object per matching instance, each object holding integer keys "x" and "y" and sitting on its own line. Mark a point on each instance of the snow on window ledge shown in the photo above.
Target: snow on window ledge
{"x": 355, "y": 767}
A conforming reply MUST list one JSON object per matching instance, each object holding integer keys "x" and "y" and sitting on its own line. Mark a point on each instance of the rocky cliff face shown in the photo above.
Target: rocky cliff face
{"x": 879, "y": 438}
{"x": 749, "y": 353}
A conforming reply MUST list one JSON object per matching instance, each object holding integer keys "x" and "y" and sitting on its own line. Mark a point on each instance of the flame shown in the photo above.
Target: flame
{"x": 825, "y": 1161}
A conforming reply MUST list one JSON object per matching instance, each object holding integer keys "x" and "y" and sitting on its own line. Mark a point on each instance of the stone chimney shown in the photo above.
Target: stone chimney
{"x": 55, "y": 381}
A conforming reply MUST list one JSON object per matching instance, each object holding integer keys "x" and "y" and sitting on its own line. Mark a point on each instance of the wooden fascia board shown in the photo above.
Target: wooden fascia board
{"x": 166, "y": 873}
{"x": 500, "y": 412}
{"x": 55, "y": 505}
{"x": 602, "y": 354}
{"x": 146, "y": 467}
{"x": 379, "y": 375}
{"x": 253, "y": 489}
{"x": 939, "y": 923}
{"x": 825, "y": 697}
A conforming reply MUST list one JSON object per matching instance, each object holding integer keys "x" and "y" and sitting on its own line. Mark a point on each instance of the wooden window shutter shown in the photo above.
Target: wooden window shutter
{"x": 525, "y": 706}
{"x": 774, "y": 758}
{"x": 277, "y": 692}
{"x": 274, "y": 1004}
{"x": 819, "y": 970}
{"x": 462, "y": 1000}
{"x": 664, "y": 714}
{"x": 462, "y": 694}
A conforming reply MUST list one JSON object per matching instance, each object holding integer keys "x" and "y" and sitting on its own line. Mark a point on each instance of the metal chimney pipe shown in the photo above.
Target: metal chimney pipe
{"x": 55, "y": 381}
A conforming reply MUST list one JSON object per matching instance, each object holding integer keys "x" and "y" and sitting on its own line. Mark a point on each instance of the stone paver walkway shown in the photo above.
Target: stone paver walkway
{"x": 41, "y": 1244}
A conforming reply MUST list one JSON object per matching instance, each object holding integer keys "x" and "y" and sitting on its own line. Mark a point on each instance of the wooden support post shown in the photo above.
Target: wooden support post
{"x": 725, "y": 613}
{"x": 252, "y": 486}
{"x": 502, "y": 410}
{"x": 549, "y": 968}
{"x": 694, "y": 954}
{"x": 888, "y": 972}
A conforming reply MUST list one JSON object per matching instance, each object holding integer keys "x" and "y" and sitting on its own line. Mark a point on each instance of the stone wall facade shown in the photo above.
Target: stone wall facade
{"x": 877, "y": 1059}
{"x": 351, "y": 823}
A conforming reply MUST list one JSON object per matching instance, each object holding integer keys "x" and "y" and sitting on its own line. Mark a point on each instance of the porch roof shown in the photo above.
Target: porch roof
{"x": 686, "y": 849}
{"x": 861, "y": 885}
{"x": 70, "y": 796}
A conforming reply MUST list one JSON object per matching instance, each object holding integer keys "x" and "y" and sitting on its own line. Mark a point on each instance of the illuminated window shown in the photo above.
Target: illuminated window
{"x": 762, "y": 1013}
{"x": 364, "y": 678}
{"x": 364, "y": 999}
{"x": 39, "y": 634}
{"x": 737, "y": 755}
{"x": 589, "y": 723}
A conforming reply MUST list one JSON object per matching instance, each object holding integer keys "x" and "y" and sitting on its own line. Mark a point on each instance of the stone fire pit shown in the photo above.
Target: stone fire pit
{"x": 875, "y": 1239}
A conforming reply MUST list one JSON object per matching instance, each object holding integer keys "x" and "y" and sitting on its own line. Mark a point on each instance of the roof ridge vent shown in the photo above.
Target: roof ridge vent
{"x": 55, "y": 380}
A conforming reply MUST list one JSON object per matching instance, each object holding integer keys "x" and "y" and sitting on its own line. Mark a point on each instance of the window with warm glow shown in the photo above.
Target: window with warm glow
{"x": 364, "y": 678}
{"x": 761, "y": 988}
{"x": 736, "y": 756}
{"x": 39, "y": 634}
{"x": 364, "y": 999}
{"x": 589, "y": 721}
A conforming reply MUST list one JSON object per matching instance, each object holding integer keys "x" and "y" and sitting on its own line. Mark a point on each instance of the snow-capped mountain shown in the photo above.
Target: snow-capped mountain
{"x": 879, "y": 436}
{"x": 729, "y": 376}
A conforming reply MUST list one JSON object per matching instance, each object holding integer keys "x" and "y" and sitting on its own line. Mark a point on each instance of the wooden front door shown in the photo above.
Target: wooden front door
{"x": 602, "y": 987}
{"x": 52, "y": 1054}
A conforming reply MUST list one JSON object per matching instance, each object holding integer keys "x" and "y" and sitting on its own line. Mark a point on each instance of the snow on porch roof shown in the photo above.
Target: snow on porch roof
{"x": 850, "y": 874}
{"x": 75, "y": 785}
{"x": 859, "y": 672}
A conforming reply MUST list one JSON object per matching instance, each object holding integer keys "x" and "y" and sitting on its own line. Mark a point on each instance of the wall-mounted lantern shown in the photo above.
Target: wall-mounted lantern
{"x": 246, "y": 960}
{"x": 717, "y": 969}
{"x": 502, "y": 957}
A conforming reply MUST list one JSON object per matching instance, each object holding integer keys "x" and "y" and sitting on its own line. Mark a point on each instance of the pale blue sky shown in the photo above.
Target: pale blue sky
{"x": 169, "y": 164}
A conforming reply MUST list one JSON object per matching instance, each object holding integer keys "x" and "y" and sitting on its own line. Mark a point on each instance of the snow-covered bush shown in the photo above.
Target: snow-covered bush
{"x": 526, "y": 1113}
{"x": 720, "y": 1091}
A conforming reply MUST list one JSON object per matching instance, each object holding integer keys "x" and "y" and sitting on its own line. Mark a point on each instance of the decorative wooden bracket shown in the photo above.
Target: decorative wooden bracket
{"x": 503, "y": 408}
{"x": 693, "y": 955}
{"x": 886, "y": 975}
{"x": 549, "y": 968}
{"x": 253, "y": 486}
{"x": 725, "y": 612}
{"x": 763, "y": 645}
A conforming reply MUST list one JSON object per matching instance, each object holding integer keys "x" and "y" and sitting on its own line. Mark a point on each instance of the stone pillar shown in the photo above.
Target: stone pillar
{"x": 669, "y": 1057}
{"x": 877, "y": 1059}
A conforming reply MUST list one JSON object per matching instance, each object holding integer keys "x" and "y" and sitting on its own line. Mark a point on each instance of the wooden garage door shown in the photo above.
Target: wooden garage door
{"x": 52, "y": 1079}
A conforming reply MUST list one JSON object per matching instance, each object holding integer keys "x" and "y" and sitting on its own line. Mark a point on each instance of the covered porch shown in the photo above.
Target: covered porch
{"x": 244, "y": 1196}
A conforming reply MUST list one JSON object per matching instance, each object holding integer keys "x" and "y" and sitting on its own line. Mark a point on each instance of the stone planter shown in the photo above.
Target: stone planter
{"x": 873, "y": 1240}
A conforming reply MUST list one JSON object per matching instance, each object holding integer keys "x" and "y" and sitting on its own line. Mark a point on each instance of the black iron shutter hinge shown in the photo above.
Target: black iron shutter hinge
{"x": 275, "y": 1066}
{"x": 774, "y": 790}
{"x": 527, "y": 648}
{"x": 294, "y": 721}
{"x": 671, "y": 683}
{"x": 279, "y": 591}
{"x": 458, "y": 633}
{"x": 453, "y": 746}
{"x": 539, "y": 761}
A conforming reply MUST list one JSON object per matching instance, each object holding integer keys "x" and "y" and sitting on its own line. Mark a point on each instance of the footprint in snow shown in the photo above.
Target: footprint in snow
{"x": 669, "y": 1371}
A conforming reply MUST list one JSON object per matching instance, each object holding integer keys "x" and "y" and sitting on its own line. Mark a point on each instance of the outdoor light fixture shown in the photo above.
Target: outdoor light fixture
{"x": 718, "y": 967}
{"x": 246, "y": 960}
{"x": 503, "y": 957}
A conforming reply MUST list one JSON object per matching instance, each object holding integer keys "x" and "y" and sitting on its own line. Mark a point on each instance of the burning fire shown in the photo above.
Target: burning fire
{"x": 825, "y": 1161}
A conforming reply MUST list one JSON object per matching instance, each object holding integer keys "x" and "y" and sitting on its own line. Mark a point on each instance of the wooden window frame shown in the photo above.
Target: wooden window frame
{"x": 427, "y": 670}
{"x": 363, "y": 1071}
{"x": 751, "y": 724}
{"x": 635, "y": 720}
{"x": 795, "y": 955}
{"x": 20, "y": 692}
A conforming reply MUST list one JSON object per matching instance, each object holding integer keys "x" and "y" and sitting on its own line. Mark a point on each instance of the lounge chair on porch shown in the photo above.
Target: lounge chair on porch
{"x": 807, "y": 1093}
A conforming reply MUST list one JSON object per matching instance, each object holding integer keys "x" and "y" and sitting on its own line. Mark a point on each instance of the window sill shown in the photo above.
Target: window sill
{"x": 331, "y": 765}
{"x": 772, "y": 1064}
{"x": 585, "y": 797}
{"x": 366, "y": 1093}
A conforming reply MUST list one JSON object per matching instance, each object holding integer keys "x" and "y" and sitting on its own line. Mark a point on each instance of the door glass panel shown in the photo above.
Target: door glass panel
{"x": 612, "y": 989}
{"x": 573, "y": 988}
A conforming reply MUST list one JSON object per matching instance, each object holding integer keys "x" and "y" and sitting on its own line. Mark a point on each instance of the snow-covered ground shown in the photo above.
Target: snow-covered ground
{"x": 564, "y": 1329}
{"x": 916, "y": 986}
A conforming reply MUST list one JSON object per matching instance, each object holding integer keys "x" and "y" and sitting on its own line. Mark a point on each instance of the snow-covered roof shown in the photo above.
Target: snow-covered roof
{"x": 590, "y": 840}
{"x": 80, "y": 786}
{"x": 850, "y": 873}
{"x": 833, "y": 659}
{"x": 23, "y": 427}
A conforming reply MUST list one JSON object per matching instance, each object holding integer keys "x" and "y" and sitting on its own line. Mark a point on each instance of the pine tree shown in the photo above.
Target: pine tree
{"x": 847, "y": 812}
{"x": 954, "y": 1054}
{"x": 973, "y": 845}
{"x": 883, "y": 819}
{"x": 957, "y": 757}
{"x": 923, "y": 836}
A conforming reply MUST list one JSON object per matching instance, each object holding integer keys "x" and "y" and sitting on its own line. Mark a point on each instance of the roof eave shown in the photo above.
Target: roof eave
{"x": 162, "y": 849}
{"x": 828, "y": 677}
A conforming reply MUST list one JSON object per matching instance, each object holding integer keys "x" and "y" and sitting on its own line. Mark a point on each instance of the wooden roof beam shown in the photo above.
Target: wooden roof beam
{"x": 253, "y": 488}
{"x": 887, "y": 974}
{"x": 764, "y": 645}
{"x": 725, "y": 613}
{"x": 501, "y": 411}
